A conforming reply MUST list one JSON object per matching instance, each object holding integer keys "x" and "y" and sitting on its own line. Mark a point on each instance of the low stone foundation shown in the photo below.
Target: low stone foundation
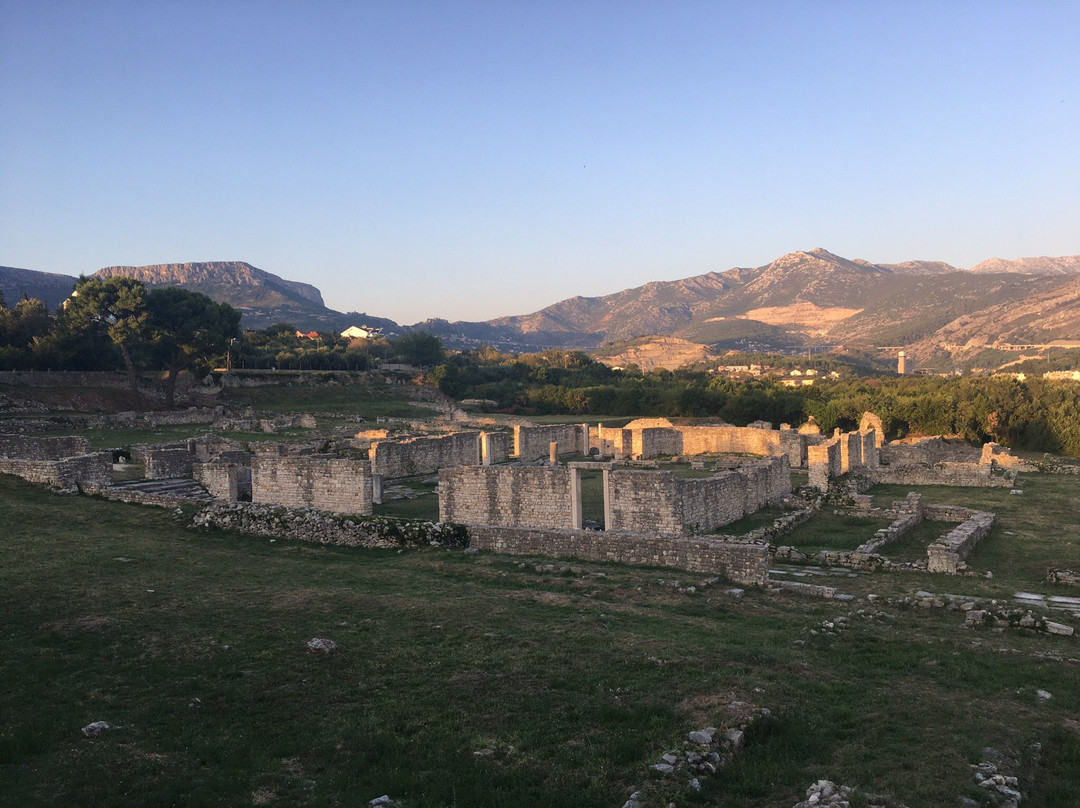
{"x": 741, "y": 563}
{"x": 948, "y": 553}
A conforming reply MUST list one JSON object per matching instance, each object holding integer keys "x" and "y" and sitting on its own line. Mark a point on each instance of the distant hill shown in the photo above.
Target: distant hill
{"x": 942, "y": 314}
{"x": 810, "y": 298}
{"x": 49, "y": 287}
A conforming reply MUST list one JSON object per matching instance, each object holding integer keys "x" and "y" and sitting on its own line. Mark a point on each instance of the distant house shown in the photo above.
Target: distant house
{"x": 361, "y": 332}
{"x": 308, "y": 335}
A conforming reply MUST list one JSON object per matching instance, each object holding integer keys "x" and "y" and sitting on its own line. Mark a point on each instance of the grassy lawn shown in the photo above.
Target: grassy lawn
{"x": 369, "y": 400}
{"x": 194, "y": 651}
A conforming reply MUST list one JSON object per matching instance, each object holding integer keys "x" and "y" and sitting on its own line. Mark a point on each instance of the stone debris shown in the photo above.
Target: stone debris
{"x": 94, "y": 729}
{"x": 704, "y": 752}
{"x": 826, "y": 792}
{"x": 1003, "y": 790}
{"x": 323, "y": 646}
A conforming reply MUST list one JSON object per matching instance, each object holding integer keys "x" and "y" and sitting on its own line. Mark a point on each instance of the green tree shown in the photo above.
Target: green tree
{"x": 188, "y": 329}
{"x": 419, "y": 348}
{"x": 117, "y": 305}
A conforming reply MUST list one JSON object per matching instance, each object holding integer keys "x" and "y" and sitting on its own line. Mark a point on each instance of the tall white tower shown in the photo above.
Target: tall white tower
{"x": 901, "y": 364}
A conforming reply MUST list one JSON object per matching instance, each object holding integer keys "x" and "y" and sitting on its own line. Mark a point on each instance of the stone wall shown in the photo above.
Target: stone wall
{"x": 968, "y": 475}
{"x": 742, "y": 563}
{"x": 928, "y": 451}
{"x": 612, "y": 441}
{"x": 824, "y": 462}
{"x": 644, "y": 502}
{"x": 534, "y": 442}
{"x": 948, "y": 553}
{"x": 88, "y": 473}
{"x": 162, "y": 464}
{"x": 424, "y": 455}
{"x": 495, "y": 447}
{"x": 28, "y": 447}
{"x": 219, "y": 479}
{"x": 324, "y": 482}
{"x": 510, "y": 496}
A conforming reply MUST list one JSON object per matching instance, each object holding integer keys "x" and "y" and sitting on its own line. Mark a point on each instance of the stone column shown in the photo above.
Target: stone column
{"x": 376, "y": 489}
{"x": 575, "y": 497}
{"x": 553, "y": 453}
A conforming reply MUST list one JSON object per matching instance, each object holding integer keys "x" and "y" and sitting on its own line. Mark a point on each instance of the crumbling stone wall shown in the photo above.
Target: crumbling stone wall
{"x": 88, "y": 473}
{"x": 824, "y": 463}
{"x": 219, "y": 479}
{"x": 928, "y": 451}
{"x": 870, "y": 422}
{"x": 424, "y": 455}
{"x": 28, "y": 447}
{"x": 508, "y": 496}
{"x": 644, "y": 502}
{"x": 969, "y": 475}
{"x": 741, "y": 563}
{"x": 656, "y": 442}
{"x": 324, "y": 482}
{"x": 164, "y": 464}
{"x": 948, "y": 553}
{"x": 534, "y": 442}
{"x": 909, "y": 512}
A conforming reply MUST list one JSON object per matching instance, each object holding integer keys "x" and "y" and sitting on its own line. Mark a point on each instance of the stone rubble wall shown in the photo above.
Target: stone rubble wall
{"x": 219, "y": 479}
{"x": 25, "y": 447}
{"x": 424, "y": 455}
{"x": 327, "y": 528}
{"x": 947, "y": 513}
{"x": 508, "y": 496}
{"x": 948, "y": 553}
{"x": 534, "y": 442}
{"x": 928, "y": 451}
{"x": 909, "y": 513}
{"x": 90, "y": 473}
{"x": 746, "y": 564}
{"x": 163, "y": 464}
{"x": 323, "y": 482}
{"x": 968, "y": 475}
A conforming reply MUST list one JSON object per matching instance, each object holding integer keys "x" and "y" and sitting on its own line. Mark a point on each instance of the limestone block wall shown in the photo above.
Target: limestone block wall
{"x": 168, "y": 463}
{"x": 929, "y": 451}
{"x": 869, "y": 449}
{"x": 850, "y": 451}
{"x": 824, "y": 463}
{"x": 324, "y": 482}
{"x": 644, "y": 502}
{"x": 509, "y": 496}
{"x": 741, "y": 563}
{"x": 218, "y": 478}
{"x": 611, "y": 441}
{"x": 533, "y": 442}
{"x": 708, "y": 503}
{"x": 947, "y": 553}
{"x": 495, "y": 447}
{"x": 88, "y": 473}
{"x": 424, "y": 455}
{"x": 656, "y": 442}
{"x": 42, "y": 448}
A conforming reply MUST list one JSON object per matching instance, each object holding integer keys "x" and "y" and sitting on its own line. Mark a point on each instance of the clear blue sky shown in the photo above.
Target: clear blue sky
{"x": 475, "y": 159}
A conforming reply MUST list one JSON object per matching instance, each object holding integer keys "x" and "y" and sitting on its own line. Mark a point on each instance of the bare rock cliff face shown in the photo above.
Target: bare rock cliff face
{"x": 220, "y": 275}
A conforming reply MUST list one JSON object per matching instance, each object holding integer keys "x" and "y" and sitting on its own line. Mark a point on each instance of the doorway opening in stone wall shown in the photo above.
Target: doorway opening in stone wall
{"x": 593, "y": 502}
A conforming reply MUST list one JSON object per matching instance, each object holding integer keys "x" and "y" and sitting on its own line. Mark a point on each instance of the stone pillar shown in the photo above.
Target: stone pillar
{"x": 575, "y": 496}
{"x": 485, "y": 448}
{"x": 376, "y": 489}
{"x": 585, "y": 439}
{"x": 553, "y": 453}
{"x": 607, "y": 499}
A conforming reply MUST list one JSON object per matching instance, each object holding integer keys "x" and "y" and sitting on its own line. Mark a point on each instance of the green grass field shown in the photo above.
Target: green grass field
{"x": 194, "y": 651}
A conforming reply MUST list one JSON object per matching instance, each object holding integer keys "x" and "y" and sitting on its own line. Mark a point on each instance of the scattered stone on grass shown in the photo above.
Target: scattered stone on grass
{"x": 95, "y": 728}
{"x": 323, "y": 646}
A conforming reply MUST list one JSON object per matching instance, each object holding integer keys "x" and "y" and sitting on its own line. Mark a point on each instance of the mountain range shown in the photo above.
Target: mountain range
{"x": 802, "y": 299}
